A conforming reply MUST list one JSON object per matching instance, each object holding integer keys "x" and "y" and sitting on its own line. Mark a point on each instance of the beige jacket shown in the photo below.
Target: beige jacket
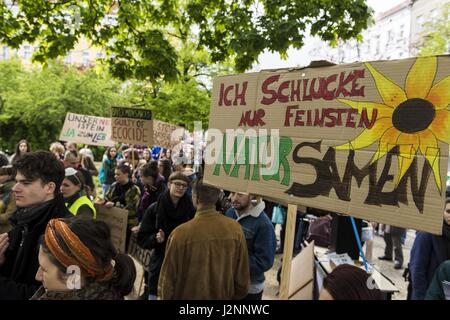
{"x": 206, "y": 258}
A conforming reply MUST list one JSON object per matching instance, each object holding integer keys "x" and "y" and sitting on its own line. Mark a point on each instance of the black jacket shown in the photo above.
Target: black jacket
{"x": 161, "y": 215}
{"x": 17, "y": 274}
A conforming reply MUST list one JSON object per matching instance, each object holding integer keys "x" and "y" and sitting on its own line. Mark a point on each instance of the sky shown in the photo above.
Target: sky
{"x": 301, "y": 57}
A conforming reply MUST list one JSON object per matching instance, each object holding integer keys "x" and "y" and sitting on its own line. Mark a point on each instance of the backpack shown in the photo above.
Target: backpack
{"x": 319, "y": 231}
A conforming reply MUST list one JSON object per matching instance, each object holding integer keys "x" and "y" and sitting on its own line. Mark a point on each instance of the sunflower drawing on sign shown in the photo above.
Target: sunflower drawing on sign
{"x": 414, "y": 118}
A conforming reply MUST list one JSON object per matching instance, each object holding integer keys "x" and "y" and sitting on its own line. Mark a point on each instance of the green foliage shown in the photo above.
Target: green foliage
{"x": 435, "y": 38}
{"x": 138, "y": 45}
{"x": 182, "y": 104}
{"x": 35, "y": 101}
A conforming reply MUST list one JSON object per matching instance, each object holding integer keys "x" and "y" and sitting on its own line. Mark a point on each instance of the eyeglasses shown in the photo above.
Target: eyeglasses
{"x": 180, "y": 185}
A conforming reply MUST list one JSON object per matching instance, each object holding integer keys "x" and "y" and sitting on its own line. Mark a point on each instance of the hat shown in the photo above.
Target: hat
{"x": 74, "y": 176}
{"x": 70, "y": 172}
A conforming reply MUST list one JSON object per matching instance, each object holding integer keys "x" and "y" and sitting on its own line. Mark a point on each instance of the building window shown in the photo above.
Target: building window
{"x": 377, "y": 44}
{"x": 420, "y": 22}
{"x": 85, "y": 59}
{"x": 26, "y": 52}
{"x": 68, "y": 58}
{"x": 434, "y": 13}
{"x": 402, "y": 32}
{"x": 5, "y": 53}
{"x": 389, "y": 36}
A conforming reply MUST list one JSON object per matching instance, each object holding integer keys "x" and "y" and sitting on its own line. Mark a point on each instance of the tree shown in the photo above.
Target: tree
{"x": 182, "y": 103}
{"x": 435, "y": 38}
{"x": 35, "y": 102}
{"x": 137, "y": 44}
{"x": 187, "y": 99}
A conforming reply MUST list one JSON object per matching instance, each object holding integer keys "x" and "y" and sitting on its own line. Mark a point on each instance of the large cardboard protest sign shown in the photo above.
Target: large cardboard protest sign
{"x": 132, "y": 125}
{"x": 117, "y": 220}
{"x": 86, "y": 129}
{"x": 166, "y": 135}
{"x": 365, "y": 139}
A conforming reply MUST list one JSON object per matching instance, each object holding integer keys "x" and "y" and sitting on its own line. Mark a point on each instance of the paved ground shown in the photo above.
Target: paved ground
{"x": 387, "y": 268}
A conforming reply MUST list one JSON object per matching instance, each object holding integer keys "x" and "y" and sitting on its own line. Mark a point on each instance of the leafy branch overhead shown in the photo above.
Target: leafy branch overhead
{"x": 136, "y": 34}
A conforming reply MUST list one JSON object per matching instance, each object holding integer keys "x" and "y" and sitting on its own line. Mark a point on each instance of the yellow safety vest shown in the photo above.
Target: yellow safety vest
{"x": 84, "y": 200}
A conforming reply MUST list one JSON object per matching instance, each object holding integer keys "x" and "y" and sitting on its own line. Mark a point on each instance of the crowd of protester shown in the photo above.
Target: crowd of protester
{"x": 221, "y": 242}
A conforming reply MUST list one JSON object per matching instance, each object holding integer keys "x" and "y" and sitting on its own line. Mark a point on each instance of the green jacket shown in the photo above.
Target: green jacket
{"x": 440, "y": 286}
{"x": 7, "y": 205}
{"x": 125, "y": 197}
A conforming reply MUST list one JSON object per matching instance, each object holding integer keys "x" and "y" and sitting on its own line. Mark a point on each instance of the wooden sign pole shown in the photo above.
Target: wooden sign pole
{"x": 132, "y": 163}
{"x": 288, "y": 248}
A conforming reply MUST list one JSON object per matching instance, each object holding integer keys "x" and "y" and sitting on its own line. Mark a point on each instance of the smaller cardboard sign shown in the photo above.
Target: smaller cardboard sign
{"x": 167, "y": 135}
{"x": 139, "y": 254}
{"x": 132, "y": 125}
{"x": 117, "y": 220}
{"x": 302, "y": 275}
{"x": 90, "y": 130}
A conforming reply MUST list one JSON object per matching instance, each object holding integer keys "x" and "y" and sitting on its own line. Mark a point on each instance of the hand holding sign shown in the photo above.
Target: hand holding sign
{"x": 160, "y": 237}
{"x": 109, "y": 204}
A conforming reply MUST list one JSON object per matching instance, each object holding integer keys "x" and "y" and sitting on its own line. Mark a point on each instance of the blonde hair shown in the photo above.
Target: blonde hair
{"x": 57, "y": 147}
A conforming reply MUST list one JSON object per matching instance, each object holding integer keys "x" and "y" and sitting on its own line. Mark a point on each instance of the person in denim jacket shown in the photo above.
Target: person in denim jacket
{"x": 260, "y": 236}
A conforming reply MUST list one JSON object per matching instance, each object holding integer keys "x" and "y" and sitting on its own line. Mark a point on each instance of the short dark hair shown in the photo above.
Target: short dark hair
{"x": 3, "y": 160}
{"x": 178, "y": 175}
{"x": 207, "y": 195}
{"x": 150, "y": 169}
{"x": 167, "y": 168}
{"x": 124, "y": 169}
{"x": 133, "y": 153}
{"x": 6, "y": 171}
{"x": 348, "y": 282}
{"x": 41, "y": 165}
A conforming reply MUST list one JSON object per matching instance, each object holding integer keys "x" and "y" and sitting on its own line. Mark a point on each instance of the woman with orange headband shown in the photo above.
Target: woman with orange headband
{"x": 79, "y": 262}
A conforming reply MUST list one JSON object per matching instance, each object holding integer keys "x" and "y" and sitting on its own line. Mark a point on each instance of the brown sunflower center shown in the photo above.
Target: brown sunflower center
{"x": 413, "y": 115}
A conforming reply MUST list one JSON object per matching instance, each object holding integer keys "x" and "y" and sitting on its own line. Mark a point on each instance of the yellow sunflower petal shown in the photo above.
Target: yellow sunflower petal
{"x": 420, "y": 77}
{"x": 409, "y": 140}
{"x": 383, "y": 111}
{"x": 439, "y": 94}
{"x": 430, "y": 149}
{"x": 387, "y": 142}
{"x": 405, "y": 158}
{"x": 390, "y": 92}
{"x": 368, "y": 136}
{"x": 427, "y": 141}
{"x": 440, "y": 126}
{"x": 364, "y": 104}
